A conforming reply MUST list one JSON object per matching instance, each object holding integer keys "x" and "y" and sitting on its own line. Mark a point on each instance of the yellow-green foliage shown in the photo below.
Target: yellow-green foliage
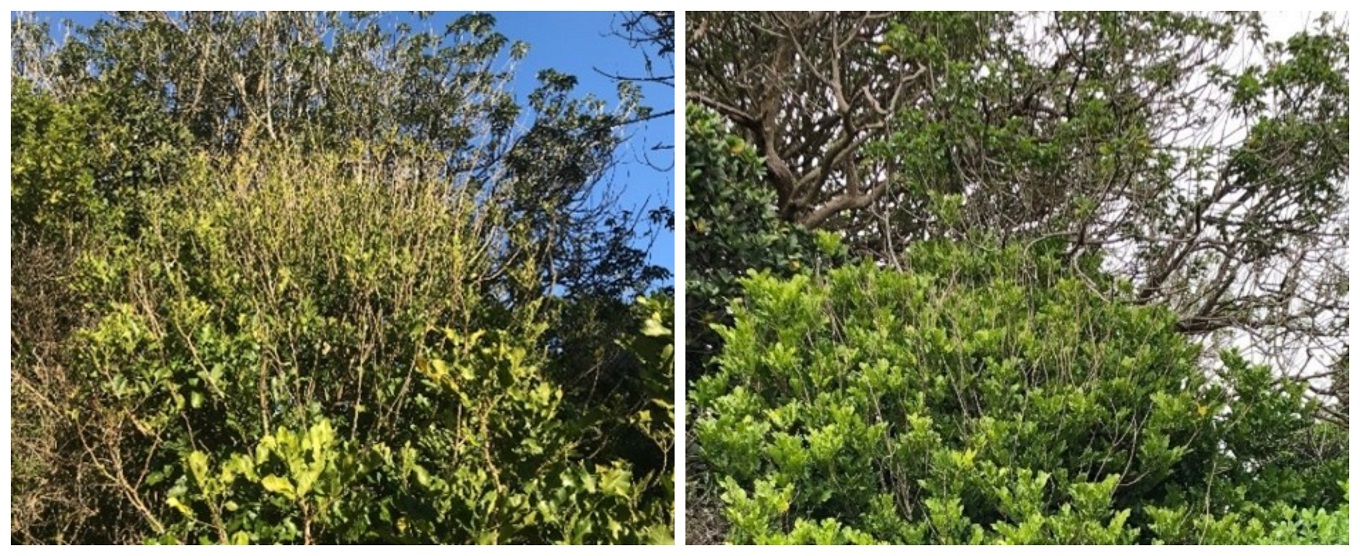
{"x": 989, "y": 395}
{"x": 302, "y": 347}
{"x": 369, "y": 303}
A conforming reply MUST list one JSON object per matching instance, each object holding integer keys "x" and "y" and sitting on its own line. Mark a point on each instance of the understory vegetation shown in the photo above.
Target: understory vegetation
{"x": 990, "y": 396}
{"x": 321, "y": 278}
{"x": 1005, "y": 278}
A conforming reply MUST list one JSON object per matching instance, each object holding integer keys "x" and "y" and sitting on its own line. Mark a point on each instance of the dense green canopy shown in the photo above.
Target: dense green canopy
{"x": 1205, "y": 154}
{"x": 989, "y": 395}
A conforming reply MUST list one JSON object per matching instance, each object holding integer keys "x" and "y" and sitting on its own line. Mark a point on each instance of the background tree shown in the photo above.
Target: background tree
{"x": 1207, "y": 160}
{"x": 654, "y": 30}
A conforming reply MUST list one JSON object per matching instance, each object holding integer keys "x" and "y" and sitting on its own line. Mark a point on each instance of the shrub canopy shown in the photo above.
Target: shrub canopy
{"x": 1000, "y": 395}
{"x": 316, "y": 278}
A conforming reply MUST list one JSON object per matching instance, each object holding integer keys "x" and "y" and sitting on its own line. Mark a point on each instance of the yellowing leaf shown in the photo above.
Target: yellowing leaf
{"x": 198, "y": 465}
{"x": 615, "y": 481}
{"x": 654, "y": 329}
{"x": 277, "y": 484}
{"x": 176, "y": 504}
{"x": 306, "y": 480}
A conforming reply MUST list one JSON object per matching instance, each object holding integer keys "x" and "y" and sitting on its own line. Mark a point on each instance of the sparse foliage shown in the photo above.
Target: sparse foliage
{"x": 321, "y": 278}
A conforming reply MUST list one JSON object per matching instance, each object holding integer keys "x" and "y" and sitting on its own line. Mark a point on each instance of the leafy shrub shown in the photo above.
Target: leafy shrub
{"x": 241, "y": 284}
{"x": 290, "y": 352}
{"x": 731, "y": 227}
{"x": 81, "y": 165}
{"x": 998, "y": 395}
{"x": 500, "y": 468}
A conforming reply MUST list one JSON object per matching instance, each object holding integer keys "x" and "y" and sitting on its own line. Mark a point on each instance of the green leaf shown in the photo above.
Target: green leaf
{"x": 615, "y": 481}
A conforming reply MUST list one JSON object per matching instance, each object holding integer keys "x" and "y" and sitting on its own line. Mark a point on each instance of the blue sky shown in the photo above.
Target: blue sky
{"x": 577, "y": 43}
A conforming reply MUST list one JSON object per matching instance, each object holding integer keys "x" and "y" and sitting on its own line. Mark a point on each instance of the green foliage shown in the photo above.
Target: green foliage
{"x": 500, "y": 468}
{"x": 889, "y": 128}
{"x": 84, "y": 164}
{"x": 732, "y": 227}
{"x": 1280, "y": 524}
{"x": 153, "y": 86}
{"x": 654, "y": 347}
{"x": 291, "y": 488}
{"x": 282, "y": 294}
{"x": 990, "y": 395}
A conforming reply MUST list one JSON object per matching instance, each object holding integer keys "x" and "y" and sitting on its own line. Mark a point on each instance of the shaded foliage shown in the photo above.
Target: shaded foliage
{"x": 731, "y": 228}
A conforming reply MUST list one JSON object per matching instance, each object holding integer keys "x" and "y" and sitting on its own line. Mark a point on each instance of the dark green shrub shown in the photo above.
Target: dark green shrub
{"x": 732, "y": 227}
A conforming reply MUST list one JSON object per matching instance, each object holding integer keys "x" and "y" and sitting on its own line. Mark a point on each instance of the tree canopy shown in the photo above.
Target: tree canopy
{"x": 1206, "y": 158}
